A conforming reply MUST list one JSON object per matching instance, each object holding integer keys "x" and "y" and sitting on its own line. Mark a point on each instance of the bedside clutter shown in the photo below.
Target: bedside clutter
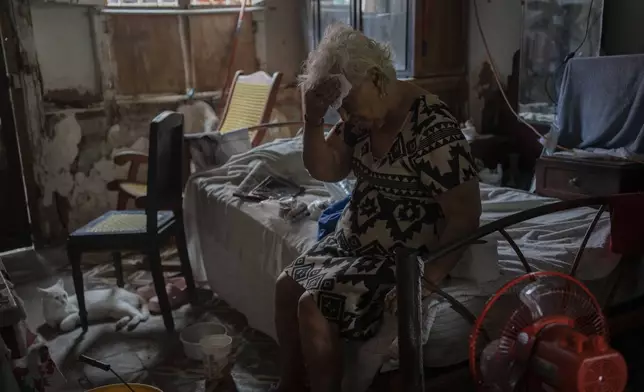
{"x": 568, "y": 178}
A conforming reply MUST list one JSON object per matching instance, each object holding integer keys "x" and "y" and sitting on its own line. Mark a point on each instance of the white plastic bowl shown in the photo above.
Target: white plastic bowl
{"x": 192, "y": 335}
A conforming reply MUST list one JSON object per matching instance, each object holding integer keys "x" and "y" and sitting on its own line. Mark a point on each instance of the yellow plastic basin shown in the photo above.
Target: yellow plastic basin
{"x": 123, "y": 388}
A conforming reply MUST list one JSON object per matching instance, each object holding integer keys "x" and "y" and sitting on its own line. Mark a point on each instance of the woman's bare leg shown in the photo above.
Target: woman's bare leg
{"x": 321, "y": 347}
{"x": 287, "y": 295}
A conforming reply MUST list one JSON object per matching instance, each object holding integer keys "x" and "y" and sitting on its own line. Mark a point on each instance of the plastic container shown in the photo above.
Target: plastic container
{"x": 191, "y": 337}
{"x": 123, "y": 388}
{"x": 469, "y": 130}
{"x": 339, "y": 190}
{"x": 215, "y": 350}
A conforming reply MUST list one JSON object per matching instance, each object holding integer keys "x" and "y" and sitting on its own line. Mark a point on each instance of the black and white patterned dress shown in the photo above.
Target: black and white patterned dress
{"x": 393, "y": 204}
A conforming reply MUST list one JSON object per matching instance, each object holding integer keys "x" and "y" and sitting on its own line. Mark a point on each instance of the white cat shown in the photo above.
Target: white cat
{"x": 61, "y": 310}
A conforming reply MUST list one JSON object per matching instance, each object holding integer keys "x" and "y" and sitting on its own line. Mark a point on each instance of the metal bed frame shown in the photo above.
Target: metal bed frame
{"x": 409, "y": 281}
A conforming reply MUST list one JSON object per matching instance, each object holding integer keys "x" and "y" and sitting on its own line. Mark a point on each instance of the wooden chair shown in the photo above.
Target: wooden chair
{"x": 249, "y": 103}
{"x": 143, "y": 230}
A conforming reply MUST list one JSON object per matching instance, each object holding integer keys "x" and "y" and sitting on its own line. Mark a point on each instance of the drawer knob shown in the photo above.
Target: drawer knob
{"x": 574, "y": 181}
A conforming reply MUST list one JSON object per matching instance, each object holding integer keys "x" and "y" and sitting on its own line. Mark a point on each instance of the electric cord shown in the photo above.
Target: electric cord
{"x": 589, "y": 25}
{"x": 497, "y": 78}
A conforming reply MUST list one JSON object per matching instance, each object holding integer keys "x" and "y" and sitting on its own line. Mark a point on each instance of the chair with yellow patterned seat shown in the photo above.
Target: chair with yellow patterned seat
{"x": 130, "y": 188}
{"x": 144, "y": 230}
{"x": 250, "y": 103}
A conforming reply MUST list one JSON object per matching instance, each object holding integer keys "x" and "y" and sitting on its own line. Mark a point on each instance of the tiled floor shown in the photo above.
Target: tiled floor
{"x": 148, "y": 354}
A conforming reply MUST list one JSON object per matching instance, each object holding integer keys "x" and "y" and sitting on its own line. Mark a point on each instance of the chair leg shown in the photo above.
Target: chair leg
{"x": 154, "y": 258}
{"x": 186, "y": 268}
{"x": 118, "y": 268}
{"x": 77, "y": 276}
{"x": 121, "y": 202}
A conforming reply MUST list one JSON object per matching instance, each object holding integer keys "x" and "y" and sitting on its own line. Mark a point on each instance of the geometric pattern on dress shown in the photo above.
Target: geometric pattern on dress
{"x": 350, "y": 271}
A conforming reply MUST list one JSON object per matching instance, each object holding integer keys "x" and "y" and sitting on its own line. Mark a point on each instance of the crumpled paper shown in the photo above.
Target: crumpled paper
{"x": 345, "y": 88}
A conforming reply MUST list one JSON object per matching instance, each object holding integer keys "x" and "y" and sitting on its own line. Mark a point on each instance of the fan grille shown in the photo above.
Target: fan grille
{"x": 506, "y": 315}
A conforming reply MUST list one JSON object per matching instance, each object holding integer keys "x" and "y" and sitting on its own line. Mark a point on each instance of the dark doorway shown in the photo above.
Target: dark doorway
{"x": 15, "y": 231}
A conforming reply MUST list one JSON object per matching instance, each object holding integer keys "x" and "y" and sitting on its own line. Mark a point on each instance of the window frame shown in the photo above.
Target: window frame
{"x": 183, "y": 12}
{"x": 138, "y": 4}
{"x": 181, "y": 4}
{"x": 355, "y": 16}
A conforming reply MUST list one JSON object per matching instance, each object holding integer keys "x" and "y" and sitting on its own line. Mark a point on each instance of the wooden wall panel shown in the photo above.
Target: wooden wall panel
{"x": 441, "y": 38}
{"x": 210, "y": 37}
{"x": 147, "y": 54}
{"x": 451, "y": 90}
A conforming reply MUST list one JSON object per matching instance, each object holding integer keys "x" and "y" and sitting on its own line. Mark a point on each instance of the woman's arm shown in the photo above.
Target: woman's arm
{"x": 462, "y": 209}
{"x": 329, "y": 159}
{"x": 446, "y": 168}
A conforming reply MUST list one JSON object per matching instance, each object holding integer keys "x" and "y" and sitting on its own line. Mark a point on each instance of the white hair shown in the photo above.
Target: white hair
{"x": 350, "y": 52}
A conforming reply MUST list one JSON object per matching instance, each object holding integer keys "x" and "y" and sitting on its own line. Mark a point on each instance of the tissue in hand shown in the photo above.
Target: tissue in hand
{"x": 345, "y": 88}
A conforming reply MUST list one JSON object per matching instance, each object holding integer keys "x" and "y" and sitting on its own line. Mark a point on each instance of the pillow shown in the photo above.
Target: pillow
{"x": 212, "y": 149}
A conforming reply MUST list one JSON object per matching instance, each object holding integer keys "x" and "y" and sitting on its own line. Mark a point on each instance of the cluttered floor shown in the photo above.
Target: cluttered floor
{"x": 148, "y": 354}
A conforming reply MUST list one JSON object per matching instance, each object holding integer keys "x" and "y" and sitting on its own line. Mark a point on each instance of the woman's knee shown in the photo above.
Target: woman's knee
{"x": 309, "y": 312}
{"x": 320, "y": 333}
{"x": 287, "y": 289}
{"x": 306, "y": 304}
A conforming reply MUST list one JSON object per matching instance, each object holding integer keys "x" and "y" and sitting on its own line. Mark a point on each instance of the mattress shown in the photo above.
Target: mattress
{"x": 240, "y": 248}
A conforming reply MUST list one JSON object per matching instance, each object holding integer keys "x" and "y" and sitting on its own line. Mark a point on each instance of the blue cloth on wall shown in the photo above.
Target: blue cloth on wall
{"x": 330, "y": 216}
{"x": 601, "y": 103}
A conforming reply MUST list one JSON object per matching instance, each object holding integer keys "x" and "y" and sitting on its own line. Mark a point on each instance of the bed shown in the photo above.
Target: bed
{"x": 239, "y": 248}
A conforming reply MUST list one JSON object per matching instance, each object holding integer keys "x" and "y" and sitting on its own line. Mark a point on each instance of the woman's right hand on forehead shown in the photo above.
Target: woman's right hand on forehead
{"x": 318, "y": 98}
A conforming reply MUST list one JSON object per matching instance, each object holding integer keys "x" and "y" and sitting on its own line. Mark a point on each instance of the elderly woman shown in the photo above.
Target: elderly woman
{"x": 416, "y": 187}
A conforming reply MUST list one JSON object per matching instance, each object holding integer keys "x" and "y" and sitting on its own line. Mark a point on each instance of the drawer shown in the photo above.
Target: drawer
{"x": 580, "y": 182}
{"x": 569, "y": 178}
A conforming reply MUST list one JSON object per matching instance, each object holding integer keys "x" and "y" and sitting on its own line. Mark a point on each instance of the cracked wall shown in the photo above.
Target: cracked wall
{"x": 75, "y": 159}
{"x": 75, "y": 164}
{"x": 73, "y": 153}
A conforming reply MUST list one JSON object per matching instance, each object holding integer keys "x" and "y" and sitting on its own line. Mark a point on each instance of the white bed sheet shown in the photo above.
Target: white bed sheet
{"x": 240, "y": 248}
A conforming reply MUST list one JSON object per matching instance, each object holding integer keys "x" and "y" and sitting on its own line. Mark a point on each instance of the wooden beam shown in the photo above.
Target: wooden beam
{"x": 105, "y": 63}
{"x": 26, "y": 94}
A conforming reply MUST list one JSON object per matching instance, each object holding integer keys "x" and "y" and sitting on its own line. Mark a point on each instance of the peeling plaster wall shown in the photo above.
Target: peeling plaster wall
{"x": 75, "y": 162}
{"x": 501, "y": 21}
{"x": 62, "y": 35}
{"x": 73, "y": 154}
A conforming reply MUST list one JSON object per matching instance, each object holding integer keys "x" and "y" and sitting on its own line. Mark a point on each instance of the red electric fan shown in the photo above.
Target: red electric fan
{"x": 544, "y": 332}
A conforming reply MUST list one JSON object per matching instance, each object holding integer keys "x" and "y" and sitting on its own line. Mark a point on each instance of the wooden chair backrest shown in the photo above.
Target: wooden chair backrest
{"x": 165, "y": 165}
{"x": 250, "y": 102}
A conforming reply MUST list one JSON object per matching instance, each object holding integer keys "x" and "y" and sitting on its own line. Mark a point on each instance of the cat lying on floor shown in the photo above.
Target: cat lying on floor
{"x": 61, "y": 310}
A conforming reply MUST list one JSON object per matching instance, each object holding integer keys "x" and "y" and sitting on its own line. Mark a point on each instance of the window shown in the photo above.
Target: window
{"x": 333, "y": 11}
{"x": 223, "y": 2}
{"x": 175, "y": 3}
{"x": 386, "y": 21}
{"x": 142, "y": 3}
{"x": 383, "y": 20}
{"x": 158, "y": 50}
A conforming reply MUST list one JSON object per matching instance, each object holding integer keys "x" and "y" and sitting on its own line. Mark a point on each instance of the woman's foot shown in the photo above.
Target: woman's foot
{"x": 293, "y": 372}
{"x": 279, "y": 388}
{"x": 320, "y": 345}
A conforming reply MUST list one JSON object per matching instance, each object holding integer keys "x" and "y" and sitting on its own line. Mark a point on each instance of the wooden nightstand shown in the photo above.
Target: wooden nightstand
{"x": 569, "y": 178}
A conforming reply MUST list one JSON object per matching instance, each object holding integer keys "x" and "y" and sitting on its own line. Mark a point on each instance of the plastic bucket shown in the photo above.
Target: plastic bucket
{"x": 215, "y": 350}
{"x": 192, "y": 335}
